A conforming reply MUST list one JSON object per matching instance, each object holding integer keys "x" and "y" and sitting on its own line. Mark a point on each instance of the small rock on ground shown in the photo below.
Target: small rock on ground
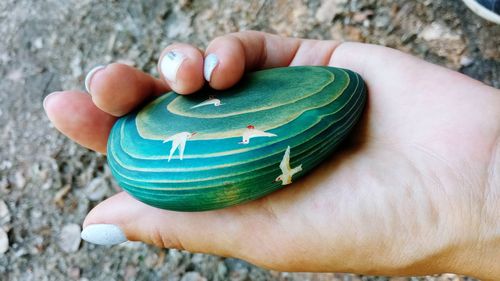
{"x": 193, "y": 276}
{"x": 4, "y": 216}
{"x": 96, "y": 189}
{"x": 69, "y": 238}
{"x": 4, "y": 241}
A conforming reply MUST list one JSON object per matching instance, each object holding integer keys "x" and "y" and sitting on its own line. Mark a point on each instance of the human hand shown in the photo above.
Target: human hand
{"x": 415, "y": 190}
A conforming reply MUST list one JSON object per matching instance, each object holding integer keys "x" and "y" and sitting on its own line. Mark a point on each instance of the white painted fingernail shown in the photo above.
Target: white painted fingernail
{"x": 170, "y": 64}
{"x": 103, "y": 234}
{"x": 45, "y": 100}
{"x": 211, "y": 61}
{"x": 91, "y": 73}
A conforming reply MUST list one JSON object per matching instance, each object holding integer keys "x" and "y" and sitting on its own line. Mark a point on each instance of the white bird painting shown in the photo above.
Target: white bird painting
{"x": 178, "y": 141}
{"x": 251, "y": 132}
{"x": 212, "y": 100}
{"x": 287, "y": 172}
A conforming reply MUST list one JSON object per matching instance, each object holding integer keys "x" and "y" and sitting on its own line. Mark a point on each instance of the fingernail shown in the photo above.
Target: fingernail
{"x": 103, "y": 234}
{"x": 91, "y": 73}
{"x": 45, "y": 100}
{"x": 170, "y": 64}
{"x": 211, "y": 61}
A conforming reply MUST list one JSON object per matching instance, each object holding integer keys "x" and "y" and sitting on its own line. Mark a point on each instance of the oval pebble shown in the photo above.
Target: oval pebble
{"x": 215, "y": 149}
{"x": 4, "y": 241}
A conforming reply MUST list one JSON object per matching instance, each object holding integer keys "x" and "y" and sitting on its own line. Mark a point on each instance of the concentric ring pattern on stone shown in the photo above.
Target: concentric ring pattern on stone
{"x": 215, "y": 149}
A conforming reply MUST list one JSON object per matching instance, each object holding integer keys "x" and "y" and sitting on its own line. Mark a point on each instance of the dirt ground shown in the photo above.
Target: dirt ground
{"x": 48, "y": 184}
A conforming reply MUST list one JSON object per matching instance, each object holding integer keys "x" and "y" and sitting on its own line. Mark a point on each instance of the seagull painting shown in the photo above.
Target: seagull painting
{"x": 251, "y": 132}
{"x": 178, "y": 141}
{"x": 286, "y": 172}
{"x": 212, "y": 100}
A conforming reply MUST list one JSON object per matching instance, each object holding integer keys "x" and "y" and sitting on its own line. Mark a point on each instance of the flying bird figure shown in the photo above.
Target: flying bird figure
{"x": 251, "y": 132}
{"x": 286, "y": 172}
{"x": 212, "y": 100}
{"x": 178, "y": 141}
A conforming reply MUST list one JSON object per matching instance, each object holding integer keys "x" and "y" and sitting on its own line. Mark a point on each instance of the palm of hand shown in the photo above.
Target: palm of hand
{"x": 385, "y": 197}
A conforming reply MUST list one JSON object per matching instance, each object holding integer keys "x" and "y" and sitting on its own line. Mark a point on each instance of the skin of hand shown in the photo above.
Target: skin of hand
{"x": 414, "y": 191}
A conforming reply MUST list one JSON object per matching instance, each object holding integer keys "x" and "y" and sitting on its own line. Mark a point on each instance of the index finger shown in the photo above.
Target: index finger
{"x": 228, "y": 57}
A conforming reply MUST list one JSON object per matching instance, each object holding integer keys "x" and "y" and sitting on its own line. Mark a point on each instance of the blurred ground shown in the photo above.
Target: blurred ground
{"x": 48, "y": 183}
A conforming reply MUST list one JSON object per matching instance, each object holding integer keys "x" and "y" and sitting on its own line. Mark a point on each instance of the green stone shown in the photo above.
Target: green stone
{"x": 215, "y": 149}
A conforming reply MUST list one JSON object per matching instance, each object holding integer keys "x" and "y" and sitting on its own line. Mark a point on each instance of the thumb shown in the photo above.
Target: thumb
{"x": 121, "y": 218}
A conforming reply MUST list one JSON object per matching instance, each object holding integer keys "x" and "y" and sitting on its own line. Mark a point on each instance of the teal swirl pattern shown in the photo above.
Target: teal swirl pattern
{"x": 215, "y": 149}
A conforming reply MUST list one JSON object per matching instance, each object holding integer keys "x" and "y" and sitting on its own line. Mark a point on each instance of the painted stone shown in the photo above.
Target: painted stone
{"x": 214, "y": 149}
